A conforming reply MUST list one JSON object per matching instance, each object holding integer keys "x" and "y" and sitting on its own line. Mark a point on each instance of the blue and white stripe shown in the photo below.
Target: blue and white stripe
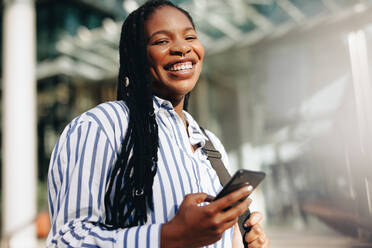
{"x": 80, "y": 169}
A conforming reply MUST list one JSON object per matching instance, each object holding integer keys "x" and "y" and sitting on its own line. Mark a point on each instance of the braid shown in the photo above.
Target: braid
{"x": 129, "y": 191}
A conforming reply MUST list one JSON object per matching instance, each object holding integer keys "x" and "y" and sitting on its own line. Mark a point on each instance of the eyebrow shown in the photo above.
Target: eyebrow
{"x": 167, "y": 32}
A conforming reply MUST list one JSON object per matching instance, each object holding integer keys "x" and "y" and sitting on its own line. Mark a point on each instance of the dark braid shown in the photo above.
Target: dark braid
{"x": 129, "y": 192}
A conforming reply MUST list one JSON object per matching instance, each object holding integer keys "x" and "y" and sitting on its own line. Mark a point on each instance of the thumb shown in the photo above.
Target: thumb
{"x": 196, "y": 198}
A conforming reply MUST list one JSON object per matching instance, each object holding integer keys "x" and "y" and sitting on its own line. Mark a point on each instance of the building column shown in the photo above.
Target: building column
{"x": 19, "y": 124}
{"x": 251, "y": 125}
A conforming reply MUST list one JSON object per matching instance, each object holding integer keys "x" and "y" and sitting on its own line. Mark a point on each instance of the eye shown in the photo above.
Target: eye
{"x": 191, "y": 37}
{"x": 160, "y": 42}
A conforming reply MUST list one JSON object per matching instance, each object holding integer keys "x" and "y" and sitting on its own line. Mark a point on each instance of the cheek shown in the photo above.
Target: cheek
{"x": 155, "y": 57}
{"x": 200, "y": 51}
{"x": 153, "y": 70}
{"x": 151, "y": 60}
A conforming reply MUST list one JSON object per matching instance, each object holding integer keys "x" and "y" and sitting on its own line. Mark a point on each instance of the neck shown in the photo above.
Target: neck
{"x": 178, "y": 107}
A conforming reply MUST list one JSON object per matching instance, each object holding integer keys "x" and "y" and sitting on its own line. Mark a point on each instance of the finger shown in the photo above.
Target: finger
{"x": 237, "y": 210}
{"x": 209, "y": 198}
{"x": 254, "y": 219}
{"x": 254, "y": 233}
{"x": 261, "y": 242}
{"x": 231, "y": 198}
{"x": 195, "y": 198}
{"x": 228, "y": 224}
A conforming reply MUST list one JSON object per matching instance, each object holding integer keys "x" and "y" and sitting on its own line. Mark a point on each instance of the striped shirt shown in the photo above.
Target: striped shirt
{"x": 84, "y": 156}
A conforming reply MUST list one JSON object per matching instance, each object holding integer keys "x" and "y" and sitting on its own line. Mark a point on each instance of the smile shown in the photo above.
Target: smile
{"x": 181, "y": 66}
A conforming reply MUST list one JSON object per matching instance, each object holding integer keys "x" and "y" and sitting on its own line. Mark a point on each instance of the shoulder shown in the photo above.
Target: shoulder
{"x": 219, "y": 147}
{"x": 210, "y": 135}
{"x": 110, "y": 118}
{"x": 105, "y": 114}
{"x": 214, "y": 139}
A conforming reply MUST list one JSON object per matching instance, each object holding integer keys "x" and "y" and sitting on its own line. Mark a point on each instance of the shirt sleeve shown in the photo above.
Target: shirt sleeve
{"x": 79, "y": 170}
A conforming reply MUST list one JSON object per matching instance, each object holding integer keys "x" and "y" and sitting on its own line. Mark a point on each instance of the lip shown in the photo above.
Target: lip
{"x": 180, "y": 60}
{"x": 182, "y": 74}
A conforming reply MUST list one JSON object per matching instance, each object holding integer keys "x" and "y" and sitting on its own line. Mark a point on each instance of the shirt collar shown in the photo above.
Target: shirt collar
{"x": 195, "y": 133}
{"x": 161, "y": 103}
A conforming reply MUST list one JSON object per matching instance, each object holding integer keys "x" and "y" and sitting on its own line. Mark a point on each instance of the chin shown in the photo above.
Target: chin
{"x": 183, "y": 91}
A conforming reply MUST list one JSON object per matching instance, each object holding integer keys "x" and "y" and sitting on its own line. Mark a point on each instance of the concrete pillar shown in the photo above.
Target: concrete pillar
{"x": 251, "y": 125}
{"x": 200, "y": 95}
{"x": 19, "y": 124}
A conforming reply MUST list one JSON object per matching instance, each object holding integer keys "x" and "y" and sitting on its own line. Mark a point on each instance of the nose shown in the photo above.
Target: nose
{"x": 180, "y": 48}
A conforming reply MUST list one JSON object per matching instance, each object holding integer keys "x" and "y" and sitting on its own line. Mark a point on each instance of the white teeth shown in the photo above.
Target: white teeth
{"x": 181, "y": 66}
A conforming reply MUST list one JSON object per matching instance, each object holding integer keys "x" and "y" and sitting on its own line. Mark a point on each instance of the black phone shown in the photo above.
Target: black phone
{"x": 241, "y": 178}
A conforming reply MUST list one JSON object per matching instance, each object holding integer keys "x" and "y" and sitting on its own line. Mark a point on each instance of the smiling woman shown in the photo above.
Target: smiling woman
{"x": 132, "y": 173}
{"x": 175, "y": 54}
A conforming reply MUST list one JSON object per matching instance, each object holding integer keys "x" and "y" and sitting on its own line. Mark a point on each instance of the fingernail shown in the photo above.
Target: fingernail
{"x": 254, "y": 219}
{"x": 250, "y": 188}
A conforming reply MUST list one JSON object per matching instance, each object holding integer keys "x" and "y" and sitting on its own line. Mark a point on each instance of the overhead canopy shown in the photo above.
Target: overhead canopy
{"x": 221, "y": 24}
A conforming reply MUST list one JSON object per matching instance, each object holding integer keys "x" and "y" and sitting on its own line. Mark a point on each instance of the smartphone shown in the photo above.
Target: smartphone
{"x": 241, "y": 178}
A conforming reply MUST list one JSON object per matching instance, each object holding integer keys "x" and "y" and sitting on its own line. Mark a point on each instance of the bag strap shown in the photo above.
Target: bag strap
{"x": 214, "y": 158}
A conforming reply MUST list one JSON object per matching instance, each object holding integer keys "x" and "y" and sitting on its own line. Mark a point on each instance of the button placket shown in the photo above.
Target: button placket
{"x": 182, "y": 132}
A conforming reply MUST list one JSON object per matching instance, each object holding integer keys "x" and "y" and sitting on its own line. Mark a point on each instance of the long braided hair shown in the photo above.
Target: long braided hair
{"x": 129, "y": 191}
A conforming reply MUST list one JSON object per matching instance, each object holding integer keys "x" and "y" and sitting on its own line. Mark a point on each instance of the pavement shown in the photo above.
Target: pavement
{"x": 290, "y": 238}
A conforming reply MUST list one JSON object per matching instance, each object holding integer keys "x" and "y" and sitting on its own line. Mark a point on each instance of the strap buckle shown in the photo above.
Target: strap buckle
{"x": 212, "y": 153}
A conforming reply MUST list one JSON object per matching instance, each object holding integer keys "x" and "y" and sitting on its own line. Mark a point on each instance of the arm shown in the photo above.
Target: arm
{"x": 79, "y": 169}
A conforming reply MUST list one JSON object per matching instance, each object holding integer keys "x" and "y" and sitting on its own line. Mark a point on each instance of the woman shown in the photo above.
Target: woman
{"x": 130, "y": 173}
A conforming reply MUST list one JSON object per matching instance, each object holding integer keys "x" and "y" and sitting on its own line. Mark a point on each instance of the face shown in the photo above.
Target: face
{"x": 174, "y": 52}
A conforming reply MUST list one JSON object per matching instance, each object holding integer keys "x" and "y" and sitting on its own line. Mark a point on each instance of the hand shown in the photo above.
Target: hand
{"x": 256, "y": 238}
{"x": 196, "y": 226}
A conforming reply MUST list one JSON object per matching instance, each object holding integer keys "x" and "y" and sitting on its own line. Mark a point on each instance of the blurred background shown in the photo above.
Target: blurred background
{"x": 285, "y": 85}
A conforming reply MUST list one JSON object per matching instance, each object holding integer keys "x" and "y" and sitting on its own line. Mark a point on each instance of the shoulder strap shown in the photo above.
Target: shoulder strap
{"x": 214, "y": 157}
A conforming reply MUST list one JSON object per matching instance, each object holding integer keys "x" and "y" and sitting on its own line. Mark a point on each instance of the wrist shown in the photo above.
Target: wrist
{"x": 170, "y": 236}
